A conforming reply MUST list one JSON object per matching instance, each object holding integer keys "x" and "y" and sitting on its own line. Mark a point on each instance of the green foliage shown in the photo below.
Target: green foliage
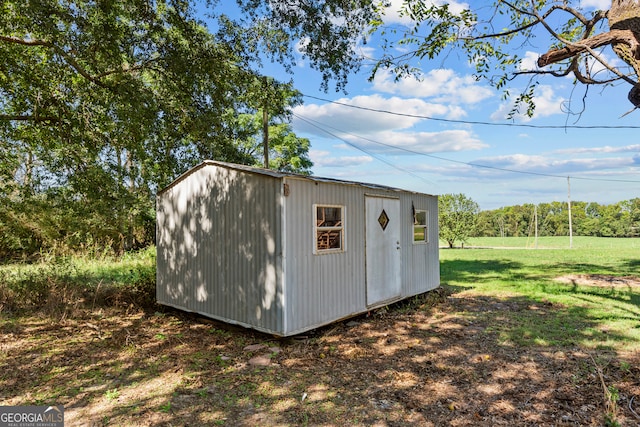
{"x": 287, "y": 152}
{"x": 457, "y": 217}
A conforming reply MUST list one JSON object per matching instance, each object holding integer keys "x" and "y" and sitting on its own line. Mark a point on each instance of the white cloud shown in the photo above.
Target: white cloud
{"x": 556, "y": 166}
{"x": 380, "y": 132}
{"x": 400, "y": 143}
{"x": 595, "y": 4}
{"x": 530, "y": 61}
{"x": 635, "y": 148}
{"x": 322, "y": 158}
{"x": 364, "y": 120}
{"x": 596, "y": 67}
{"x": 444, "y": 85}
{"x": 392, "y": 14}
{"x": 547, "y": 104}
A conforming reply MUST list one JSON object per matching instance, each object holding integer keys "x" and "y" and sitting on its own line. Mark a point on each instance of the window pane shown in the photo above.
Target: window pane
{"x": 419, "y": 234}
{"x": 421, "y": 217}
{"x": 329, "y": 239}
{"x": 329, "y": 217}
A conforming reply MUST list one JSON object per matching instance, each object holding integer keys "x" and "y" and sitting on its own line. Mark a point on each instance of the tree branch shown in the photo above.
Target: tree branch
{"x": 599, "y": 40}
{"x": 26, "y": 118}
{"x": 74, "y": 63}
{"x": 68, "y": 58}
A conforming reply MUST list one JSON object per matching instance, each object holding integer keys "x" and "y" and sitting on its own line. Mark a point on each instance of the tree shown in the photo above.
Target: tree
{"x": 103, "y": 103}
{"x": 287, "y": 152}
{"x": 492, "y": 38}
{"x": 457, "y": 217}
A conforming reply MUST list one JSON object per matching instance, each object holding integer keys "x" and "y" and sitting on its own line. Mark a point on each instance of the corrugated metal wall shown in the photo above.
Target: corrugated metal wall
{"x": 219, "y": 246}
{"x": 421, "y": 271}
{"x": 322, "y": 288}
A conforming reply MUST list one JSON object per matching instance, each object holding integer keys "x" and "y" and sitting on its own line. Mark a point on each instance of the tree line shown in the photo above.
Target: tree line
{"x": 459, "y": 218}
{"x": 621, "y": 219}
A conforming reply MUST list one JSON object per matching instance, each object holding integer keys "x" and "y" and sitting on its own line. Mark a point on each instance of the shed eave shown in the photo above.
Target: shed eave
{"x": 289, "y": 175}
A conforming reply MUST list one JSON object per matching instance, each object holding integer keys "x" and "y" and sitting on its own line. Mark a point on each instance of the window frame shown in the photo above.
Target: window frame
{"x": 424, "y": 227}
{"x": 341, "y": 228}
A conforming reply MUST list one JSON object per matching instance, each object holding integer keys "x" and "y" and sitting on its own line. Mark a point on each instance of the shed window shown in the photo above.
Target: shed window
{"x": 420, "y": 220}
{"x": 329, "y": 228}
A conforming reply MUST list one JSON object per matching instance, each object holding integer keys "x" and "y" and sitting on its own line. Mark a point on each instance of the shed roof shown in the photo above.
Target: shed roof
{"x": 279, "y": 174}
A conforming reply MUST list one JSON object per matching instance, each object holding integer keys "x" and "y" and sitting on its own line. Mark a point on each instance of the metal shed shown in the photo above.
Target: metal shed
{"x": 285, "y": 253}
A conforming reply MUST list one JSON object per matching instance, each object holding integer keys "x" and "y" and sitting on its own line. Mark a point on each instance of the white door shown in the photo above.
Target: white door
{"x": 382, "y": 254}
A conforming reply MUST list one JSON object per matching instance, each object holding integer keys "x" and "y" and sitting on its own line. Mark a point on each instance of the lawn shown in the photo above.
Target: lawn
{"x": 512, "y": 337}
{"x": 564, "y": 242}
{"x": 596, "y": 284}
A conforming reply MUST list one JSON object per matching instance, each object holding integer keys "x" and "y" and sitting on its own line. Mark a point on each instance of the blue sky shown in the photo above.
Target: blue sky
{"x": 435, "y": 156}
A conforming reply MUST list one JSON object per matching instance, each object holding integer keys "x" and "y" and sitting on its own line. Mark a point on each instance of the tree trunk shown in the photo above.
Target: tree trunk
{"x": 625, "y": 15}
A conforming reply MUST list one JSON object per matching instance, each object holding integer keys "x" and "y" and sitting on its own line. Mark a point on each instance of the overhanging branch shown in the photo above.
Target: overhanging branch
{"x": 599, "y": 40}
{"x": 73, "y": 63}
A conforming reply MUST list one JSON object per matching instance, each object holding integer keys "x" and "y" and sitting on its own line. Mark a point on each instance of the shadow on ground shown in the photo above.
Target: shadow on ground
{"x": 443, "y": 358}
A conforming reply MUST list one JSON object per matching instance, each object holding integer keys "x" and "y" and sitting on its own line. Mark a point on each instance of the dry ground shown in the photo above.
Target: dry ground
{"x": 432, "y": 361}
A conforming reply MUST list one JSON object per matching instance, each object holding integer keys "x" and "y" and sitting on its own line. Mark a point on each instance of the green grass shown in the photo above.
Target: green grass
{"x": 559, "y": 313}
{"x": 563, "y": 242}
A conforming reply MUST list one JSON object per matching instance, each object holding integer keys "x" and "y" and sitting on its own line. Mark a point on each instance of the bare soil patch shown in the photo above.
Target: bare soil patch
{"x": 432, "y": 361}
{"x": 600, "y": 280}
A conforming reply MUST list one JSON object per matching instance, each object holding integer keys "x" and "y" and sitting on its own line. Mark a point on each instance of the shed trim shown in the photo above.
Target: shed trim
{"x": 283, "y": 254}
{"x": 382, "y": 196}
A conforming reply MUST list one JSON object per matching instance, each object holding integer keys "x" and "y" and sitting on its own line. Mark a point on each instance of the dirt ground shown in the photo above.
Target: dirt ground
{"x": 431, "y": 361}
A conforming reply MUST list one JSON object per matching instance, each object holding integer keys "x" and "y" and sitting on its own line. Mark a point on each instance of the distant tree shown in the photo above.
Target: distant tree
{"x": 487, "y": 225}
{"x": 457, "y": 217}
{"x": 635, "y": 217}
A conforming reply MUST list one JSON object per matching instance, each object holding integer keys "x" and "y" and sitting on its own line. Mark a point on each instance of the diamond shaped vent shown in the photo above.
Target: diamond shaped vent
{"x": 383, "y": 220}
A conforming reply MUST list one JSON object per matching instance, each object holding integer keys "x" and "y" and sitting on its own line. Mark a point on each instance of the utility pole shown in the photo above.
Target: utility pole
{"x": 265, "y": 134}
{"x": 265, "y": 120}
{"x": 535, "y": 218}
{"x": 569, "y": 204}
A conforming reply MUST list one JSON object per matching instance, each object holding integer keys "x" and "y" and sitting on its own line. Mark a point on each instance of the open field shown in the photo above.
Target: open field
{"x": 513, "y": 337}
{"x": 578, "y": 242}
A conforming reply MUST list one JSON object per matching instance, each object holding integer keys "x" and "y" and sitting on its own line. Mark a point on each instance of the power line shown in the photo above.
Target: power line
{"x": 311, "y": 122}
{"x": 322, "y": 127}
{"x": 470, "y": 122}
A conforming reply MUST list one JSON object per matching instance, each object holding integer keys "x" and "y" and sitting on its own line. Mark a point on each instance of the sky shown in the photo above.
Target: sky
{"x": 448, "y": 133}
